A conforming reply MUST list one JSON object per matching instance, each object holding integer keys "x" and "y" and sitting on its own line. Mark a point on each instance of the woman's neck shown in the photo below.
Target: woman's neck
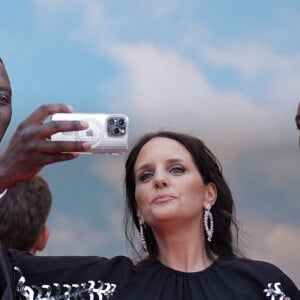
{"x": 183, "y": 251}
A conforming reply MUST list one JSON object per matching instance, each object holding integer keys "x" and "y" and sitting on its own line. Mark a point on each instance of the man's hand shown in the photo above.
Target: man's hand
{"x": 30, "y": 148}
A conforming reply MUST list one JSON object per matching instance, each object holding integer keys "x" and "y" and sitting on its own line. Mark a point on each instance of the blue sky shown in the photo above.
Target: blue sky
{"x": 226, "y": 71}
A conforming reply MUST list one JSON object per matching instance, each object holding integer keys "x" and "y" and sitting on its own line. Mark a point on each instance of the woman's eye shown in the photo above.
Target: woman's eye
{"x": 177, "y": 169}
{"x": 145, "y": 176}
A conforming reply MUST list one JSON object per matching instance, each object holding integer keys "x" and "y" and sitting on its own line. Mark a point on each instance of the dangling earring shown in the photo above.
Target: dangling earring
{"x": 144, "y": 244}
{"x": 208, "y": 223}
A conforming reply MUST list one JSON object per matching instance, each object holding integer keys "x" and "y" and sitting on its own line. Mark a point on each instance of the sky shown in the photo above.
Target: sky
{"x": 226, "y": 71}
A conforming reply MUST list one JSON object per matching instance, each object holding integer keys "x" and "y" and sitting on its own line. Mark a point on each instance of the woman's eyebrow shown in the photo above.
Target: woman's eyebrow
{"x": 148, "y": 165}
{"x": 143, "y": 167}
{"x": 175, "y": 160}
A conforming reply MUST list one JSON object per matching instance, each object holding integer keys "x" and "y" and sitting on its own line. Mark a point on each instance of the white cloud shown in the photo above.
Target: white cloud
{"x": 274, "y": 242}
{"x": 73, "y": 236}
{"x": 170, "y": 91}
{"x": 249, "y": 58}
{"x": 92, "y": 23}
{"x": 111, "y": 169}
{"x": 285, "y": 167}
{"x": 277, "y": 72}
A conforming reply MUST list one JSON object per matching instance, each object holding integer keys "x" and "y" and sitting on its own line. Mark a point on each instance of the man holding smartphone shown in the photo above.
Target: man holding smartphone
{"x": 28, "y": 151}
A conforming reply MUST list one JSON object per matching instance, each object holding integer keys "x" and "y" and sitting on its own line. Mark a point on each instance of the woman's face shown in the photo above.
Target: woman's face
{"x": 169, "y": 185}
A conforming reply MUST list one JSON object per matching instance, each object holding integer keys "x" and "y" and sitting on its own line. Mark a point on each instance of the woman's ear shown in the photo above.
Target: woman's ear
{"x": 211, "y": 194}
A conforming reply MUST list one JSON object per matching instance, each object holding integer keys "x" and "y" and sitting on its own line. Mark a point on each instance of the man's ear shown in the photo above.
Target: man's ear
{"x": 211, "y": 194}
{"x": 41, "y": 241}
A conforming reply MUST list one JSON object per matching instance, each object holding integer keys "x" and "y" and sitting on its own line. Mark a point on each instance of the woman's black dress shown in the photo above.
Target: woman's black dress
{"x": 40, "y": 277}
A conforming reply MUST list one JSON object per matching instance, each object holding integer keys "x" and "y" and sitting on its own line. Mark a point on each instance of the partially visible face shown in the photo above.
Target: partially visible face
{"x": 168, "y": 184}
{"x": 297, "y": 120}
{"x": 5, "y": 101}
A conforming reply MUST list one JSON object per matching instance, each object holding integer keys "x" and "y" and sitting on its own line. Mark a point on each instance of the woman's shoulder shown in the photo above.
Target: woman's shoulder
{"x": 266, "y": 274}
{"x": 248, "y": 266}
{"x": 263, "y": 268}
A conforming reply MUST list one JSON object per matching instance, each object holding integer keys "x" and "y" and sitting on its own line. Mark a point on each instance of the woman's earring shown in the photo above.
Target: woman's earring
{"x": 144, "y": 244}
{"x": 208, "y": 223}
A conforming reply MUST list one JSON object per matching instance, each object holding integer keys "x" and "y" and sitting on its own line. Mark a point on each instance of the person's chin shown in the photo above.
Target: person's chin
{"x": 165, "y": 211}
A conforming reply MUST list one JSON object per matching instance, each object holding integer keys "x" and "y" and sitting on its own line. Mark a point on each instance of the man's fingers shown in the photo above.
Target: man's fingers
{"x": 45, "y": 130}
{"x": 61, "y": 126}
{"x": 54, "y": 158}
{"x": 53, "y": 148}
{"x": 44, "y": 111}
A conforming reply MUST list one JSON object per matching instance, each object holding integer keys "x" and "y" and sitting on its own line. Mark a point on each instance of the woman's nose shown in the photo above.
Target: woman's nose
{"x": 160, "y": 180}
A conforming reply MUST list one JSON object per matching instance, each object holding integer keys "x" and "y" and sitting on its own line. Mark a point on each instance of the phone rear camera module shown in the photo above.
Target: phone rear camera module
{"x": 116, "y": 126}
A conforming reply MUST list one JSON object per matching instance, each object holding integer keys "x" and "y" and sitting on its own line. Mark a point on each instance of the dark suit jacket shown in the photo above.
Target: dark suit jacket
{"x": 7, "y": 287}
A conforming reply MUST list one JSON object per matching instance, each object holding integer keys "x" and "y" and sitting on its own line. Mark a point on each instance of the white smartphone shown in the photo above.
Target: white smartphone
{"x": 107, "y": 133}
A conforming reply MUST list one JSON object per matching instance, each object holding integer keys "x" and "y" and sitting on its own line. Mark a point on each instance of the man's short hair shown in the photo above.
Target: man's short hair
{"x": 24, "y": 210}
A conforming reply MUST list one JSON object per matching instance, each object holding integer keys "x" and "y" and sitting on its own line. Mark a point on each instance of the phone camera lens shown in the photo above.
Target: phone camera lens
{"x": 121, "y": 122}
{"x": 111, "y": 121}
{"x": 116, "y": 131}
